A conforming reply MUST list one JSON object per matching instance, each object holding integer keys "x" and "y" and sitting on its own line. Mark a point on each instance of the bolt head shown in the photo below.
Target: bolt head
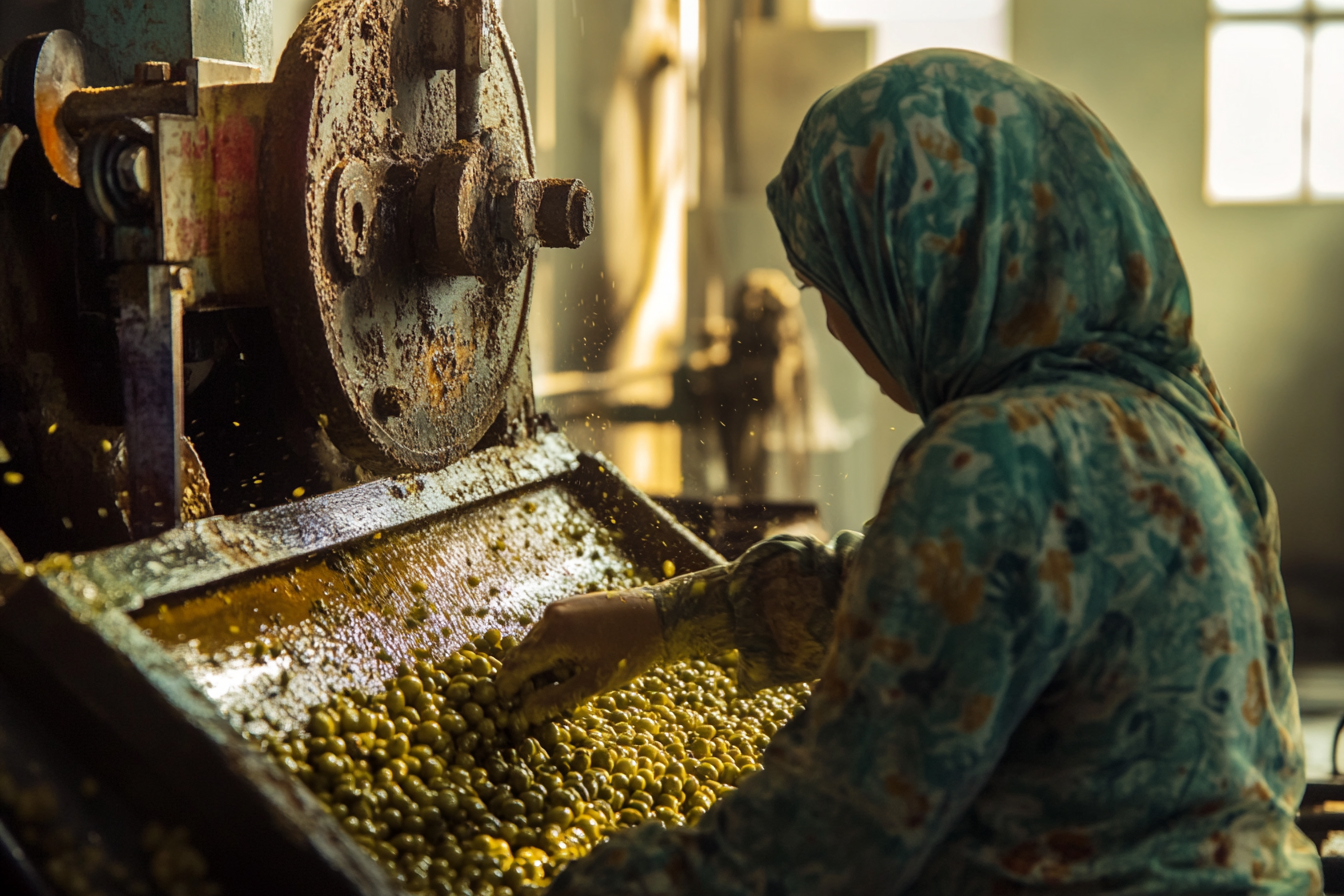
{"x": 565, "y": 218}
{"x": 153, "y": 72}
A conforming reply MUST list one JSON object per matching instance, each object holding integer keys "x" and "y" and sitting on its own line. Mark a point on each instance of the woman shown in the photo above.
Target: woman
{"x": 1060, "y": 659}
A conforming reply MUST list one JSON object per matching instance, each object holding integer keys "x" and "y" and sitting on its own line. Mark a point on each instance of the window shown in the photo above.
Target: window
{"x": 907, "y": 25}
{"x": 1275, "y": 128}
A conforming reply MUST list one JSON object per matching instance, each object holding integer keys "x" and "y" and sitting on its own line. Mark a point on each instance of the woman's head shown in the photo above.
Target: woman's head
{"x": 967, "y": 217}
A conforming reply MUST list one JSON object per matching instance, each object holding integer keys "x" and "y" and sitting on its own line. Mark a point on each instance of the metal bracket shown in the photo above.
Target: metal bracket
{"x": 458, "y": 36}
{"x": 150, "y": 336}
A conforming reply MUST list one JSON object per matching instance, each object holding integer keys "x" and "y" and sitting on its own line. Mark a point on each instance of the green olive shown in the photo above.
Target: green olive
{"x": 330, "y": 764}
{"x": 447, "y": 782}
{"x": 559, "y": 815}
{"x": 321, "y": 724}
{"x": 452, "y": 721}
{"x": 411, "y": 686}
{"x": 428, "y": 732}
{"x": 472, "y": 712}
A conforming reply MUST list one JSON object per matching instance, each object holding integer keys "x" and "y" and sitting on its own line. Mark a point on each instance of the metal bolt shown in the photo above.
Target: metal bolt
{"x": 132, "y": 171}
{"x": 565, "y": 218}
{"x": 153, "y": 72}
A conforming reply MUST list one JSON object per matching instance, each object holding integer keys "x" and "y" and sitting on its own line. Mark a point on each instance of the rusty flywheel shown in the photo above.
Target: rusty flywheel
{"x": 400, "y": 220}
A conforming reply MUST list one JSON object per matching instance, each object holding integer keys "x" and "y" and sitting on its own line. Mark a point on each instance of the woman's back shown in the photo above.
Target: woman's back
{"x": 1164, "y": 755}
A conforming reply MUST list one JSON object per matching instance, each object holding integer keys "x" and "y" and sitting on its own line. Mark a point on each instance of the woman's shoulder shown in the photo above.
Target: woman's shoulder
{"x": 1017, "y": 442}
{"x": 1095, "y": 407}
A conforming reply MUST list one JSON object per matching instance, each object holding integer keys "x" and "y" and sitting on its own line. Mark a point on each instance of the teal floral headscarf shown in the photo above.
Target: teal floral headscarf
{"x": 983, "y": 229}
{"x": 1060, "y": 657}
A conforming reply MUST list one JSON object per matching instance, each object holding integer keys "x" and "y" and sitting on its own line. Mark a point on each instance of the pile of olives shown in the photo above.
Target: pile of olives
{"x": 450, "y": 788}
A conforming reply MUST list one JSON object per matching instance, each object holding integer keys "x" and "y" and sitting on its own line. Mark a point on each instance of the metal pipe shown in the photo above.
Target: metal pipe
{"x": 85, "y": 108}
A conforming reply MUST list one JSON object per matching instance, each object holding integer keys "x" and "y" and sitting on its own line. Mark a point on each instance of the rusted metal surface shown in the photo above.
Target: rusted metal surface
{"x": 266, "y": 646}
{"x": 458, "y": 37}
{"x": 340, "y": 588}
{"x": 207, "y": 193}
{"x": 353, "y": 213}
{"x": 201, "y": 553}
{"x": 149, "y": 333}
{"x": 196, "y": 502}
{"x": 123, "y": 707}
{"x": 39, "y": 74}
{"x": 407, "y": 366}
{"x": 449, "y": 194}
{"x": 237, "y": 624}
{"x": 565, "y": 215}
{"x": 123, "y": 33}
{"x": 83, "y": 109}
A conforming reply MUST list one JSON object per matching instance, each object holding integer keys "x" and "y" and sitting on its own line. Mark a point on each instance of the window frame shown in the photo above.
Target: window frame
{"x": 1308, "y": 19}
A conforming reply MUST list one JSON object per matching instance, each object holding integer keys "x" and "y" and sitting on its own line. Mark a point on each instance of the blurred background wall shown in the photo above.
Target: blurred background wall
{"x": 746, "y": 72}
{"x": 1267, "y": 279}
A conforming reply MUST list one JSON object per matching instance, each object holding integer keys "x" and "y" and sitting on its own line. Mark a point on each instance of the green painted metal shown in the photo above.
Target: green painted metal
{"x": 119, "y": 33}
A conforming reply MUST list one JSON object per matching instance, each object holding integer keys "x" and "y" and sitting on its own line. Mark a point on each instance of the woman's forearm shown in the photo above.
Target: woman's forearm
{"x": 775, "y": 605}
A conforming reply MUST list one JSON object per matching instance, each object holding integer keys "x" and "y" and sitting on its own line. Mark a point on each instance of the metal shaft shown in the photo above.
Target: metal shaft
{"x": 468, "y": 104}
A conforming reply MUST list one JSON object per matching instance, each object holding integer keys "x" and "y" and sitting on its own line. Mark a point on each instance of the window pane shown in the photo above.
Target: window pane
{"x": 829, "y": 12}
{"x": 906, "y": 25}
{"x": 1257, "y": 75}
{"x": 1258, "y": 6}
{"x": 988, "y": 35}
{"x": 1329, "y": 5}
{"x": 1327, "y": 111}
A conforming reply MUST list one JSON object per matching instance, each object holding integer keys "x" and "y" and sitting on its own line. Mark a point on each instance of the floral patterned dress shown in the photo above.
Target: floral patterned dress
{"x": 1060, "y": 658}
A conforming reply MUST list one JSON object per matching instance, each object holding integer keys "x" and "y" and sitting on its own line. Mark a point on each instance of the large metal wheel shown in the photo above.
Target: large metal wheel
{"x": 404, "y": 367}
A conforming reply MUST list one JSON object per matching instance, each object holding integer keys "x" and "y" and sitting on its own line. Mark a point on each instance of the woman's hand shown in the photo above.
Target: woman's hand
{"x": 611, "y": 637}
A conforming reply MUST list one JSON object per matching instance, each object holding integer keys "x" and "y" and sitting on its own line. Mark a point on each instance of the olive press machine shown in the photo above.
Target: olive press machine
{"x": 344, "y": 255}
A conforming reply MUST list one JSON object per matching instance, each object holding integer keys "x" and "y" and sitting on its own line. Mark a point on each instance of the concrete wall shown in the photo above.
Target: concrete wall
{"x": 1268, "y": 281}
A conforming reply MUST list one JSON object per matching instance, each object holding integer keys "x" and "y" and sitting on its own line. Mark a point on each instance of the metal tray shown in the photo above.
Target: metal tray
{"x": 151, "y": 662}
